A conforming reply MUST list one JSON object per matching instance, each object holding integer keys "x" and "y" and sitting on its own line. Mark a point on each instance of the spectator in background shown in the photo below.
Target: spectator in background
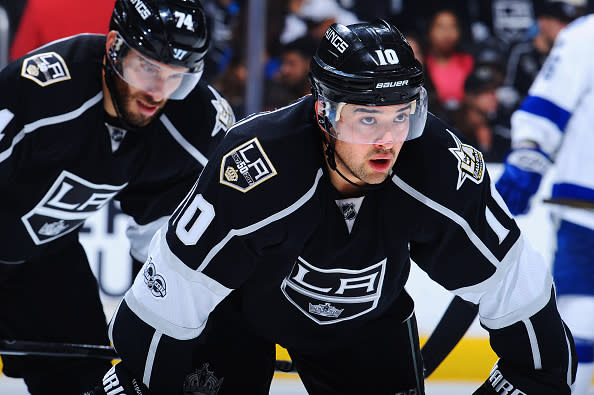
{"x": 291, "y": 81}
{"x": 523, "y": 63}
{"x": 222, "y": 16}
{"x": 231, "y": 84}
{"x": 447, "y": 65}
{"x": 44, "y": 21}
{"x": 313, "y": 17}
{"x": 553, "y": 16}
{"x": 475, "y": 118}
{"x": 418, "y": 46}
{"x": 526, "y": 58}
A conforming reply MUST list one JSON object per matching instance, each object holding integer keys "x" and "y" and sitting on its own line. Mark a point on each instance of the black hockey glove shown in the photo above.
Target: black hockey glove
{"x": 118, "y": 380}
{"x": 506, "y": 380}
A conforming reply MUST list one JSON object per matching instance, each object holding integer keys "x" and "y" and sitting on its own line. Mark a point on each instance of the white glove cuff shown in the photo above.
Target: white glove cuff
{"x": 529, "y": 160}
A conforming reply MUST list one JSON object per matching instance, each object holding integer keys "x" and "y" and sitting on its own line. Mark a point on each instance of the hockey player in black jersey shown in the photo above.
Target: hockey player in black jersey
{"x": 301, "y": 230}
{"x": 84, "y": 120}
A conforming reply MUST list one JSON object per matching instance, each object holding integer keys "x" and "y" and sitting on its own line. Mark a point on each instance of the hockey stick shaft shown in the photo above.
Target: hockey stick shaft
{"x": 584, "y": 204}
{"x": 24, "y": 347}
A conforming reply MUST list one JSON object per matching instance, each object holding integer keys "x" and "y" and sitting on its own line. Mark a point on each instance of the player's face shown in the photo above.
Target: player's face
{"x": 146, "y": 89}
{"x": 142, "y": 84}
{"x": 373, "y": 124}
{"x": 155, "y": 78}
{"x": 367, "y": 163}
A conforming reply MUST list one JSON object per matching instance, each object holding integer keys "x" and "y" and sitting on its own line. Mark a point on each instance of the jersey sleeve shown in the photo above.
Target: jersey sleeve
{"x": 471, "y": 245}
{"x": 194, "y": 261}
{"x": 16, "y": 149}
{"x": 557, "y": 90}
{"x": 11, "y": 123}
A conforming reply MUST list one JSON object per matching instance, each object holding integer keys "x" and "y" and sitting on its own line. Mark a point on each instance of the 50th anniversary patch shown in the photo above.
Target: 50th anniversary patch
{"x": 45, "y": 68}
{"x": 246, "y": 166}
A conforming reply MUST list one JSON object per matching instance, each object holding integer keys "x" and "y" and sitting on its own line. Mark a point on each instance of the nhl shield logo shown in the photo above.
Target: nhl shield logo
{"x": 328, "y": 296}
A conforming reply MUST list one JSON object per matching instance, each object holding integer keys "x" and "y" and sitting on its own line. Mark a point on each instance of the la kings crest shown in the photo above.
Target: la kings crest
{"x": 45, "y": 69}
{"x": 67, "y": 204}
{"x": 328, "y": 296}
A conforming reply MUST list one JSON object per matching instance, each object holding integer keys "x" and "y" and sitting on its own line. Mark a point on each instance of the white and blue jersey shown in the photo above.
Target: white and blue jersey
{"x": 558, "y": 114}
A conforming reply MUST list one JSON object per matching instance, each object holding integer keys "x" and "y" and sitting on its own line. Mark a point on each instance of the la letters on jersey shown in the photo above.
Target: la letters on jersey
{"x": 471, "y": 165}
{"x": 45, "y": 69}
{"x": 246, "y": 166}
{"x": 328, "y": 296}
{"x": 67, "y": 204}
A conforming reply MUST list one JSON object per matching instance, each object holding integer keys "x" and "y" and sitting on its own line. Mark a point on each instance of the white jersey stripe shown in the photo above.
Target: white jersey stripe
{"x": 31, "y": 127}
{"x": 150, "y": 358}
{"x": 533, "y": 344}
{"x": 182, "y": 141}
{"x": 260, "y": 224}
{"x": 451, "y": 215}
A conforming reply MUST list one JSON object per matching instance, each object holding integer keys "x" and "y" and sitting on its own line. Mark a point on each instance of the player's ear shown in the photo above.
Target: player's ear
{"x": 111, "y": 37}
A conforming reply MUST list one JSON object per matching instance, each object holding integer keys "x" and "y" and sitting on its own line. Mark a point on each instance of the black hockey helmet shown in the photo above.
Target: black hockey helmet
{"x": 173, "y": 32}
{"x": 368, "y": 64}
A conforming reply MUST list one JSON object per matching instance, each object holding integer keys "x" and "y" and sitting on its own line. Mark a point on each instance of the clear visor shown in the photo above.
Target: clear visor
{"x": 155, "y": 78}
{"x": 361, "y": 124}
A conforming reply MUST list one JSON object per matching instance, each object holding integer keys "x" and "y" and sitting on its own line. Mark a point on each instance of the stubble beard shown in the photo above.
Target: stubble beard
{"x": 125, "y": 101}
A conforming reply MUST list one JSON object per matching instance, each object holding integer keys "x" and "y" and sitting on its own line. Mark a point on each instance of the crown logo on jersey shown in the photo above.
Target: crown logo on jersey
{"x": 325, "y": 310}
{"x": 53, "y": 229}
{"x": 231, "y": 174}
{"x": 202, "y": 382}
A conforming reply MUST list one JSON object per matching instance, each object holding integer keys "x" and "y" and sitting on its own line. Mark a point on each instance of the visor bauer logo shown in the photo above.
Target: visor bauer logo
{"x": 391, "y": 84}
{"x": 66, "y": 205}
{"x": 45, "y": 69}
{"x": 328, "y": 296}
{"x": 246, "y": 166}
{"x": 155, "y": 282}
{"x": 470, "y": 162}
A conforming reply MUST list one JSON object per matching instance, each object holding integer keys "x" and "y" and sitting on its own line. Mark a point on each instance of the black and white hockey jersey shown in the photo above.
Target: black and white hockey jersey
{"x": 310, "y": 266}
{"x": 62, "y": 157}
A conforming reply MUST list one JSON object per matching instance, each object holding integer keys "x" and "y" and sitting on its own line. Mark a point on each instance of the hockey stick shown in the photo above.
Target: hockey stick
{"x": 571, "y": 203}
{"x": 24, "y": 347}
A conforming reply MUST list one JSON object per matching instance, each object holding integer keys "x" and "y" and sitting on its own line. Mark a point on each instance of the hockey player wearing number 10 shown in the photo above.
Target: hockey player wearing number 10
{"x": 84, "y": 120}
{"x": 301, "y": 230}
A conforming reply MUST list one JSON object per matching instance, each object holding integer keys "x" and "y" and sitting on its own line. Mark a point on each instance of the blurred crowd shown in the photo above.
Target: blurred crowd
{"x": 480, "y": 56}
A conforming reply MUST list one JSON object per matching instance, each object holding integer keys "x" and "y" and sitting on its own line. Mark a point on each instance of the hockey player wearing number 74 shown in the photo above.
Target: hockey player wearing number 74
{"x": 85, "y": 120}
{"x": 301, "y": 229}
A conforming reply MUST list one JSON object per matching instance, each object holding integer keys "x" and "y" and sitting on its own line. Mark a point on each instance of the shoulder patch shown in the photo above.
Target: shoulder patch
{"x": 45, "y": 68}
{"x": 246, "y": 166}
{"x": 471, "y": 165}
{"x": 225, "y": 117}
